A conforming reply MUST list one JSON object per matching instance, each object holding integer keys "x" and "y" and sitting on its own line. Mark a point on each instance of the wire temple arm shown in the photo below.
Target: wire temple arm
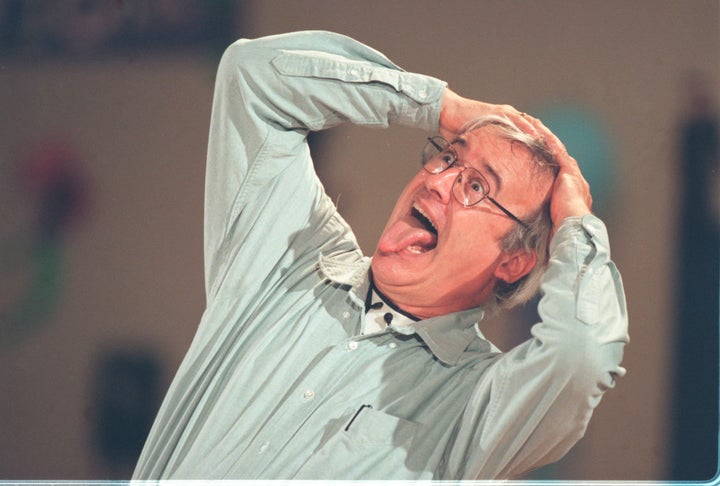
{"x": 508, "y": 213}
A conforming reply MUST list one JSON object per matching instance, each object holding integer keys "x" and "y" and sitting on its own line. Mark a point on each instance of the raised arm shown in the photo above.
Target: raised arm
{"x": 543, "y": 392}
{"x": 261, "y": 189}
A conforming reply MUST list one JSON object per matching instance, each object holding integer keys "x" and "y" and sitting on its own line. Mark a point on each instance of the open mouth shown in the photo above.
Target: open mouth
{"x": 415, "y": 233}
{"x": 424, "y": 220}
{"x": 425, "y": 236}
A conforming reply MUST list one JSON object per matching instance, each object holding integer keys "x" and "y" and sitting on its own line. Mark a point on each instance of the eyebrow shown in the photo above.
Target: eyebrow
{"x": 461, "y": 141}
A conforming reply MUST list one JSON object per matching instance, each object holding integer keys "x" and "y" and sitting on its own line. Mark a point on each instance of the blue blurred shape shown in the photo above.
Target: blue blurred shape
{"x": 588, "y": 141}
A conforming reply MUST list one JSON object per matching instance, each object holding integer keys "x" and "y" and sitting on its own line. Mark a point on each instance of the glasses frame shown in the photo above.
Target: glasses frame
{"x": 442, "y": 145}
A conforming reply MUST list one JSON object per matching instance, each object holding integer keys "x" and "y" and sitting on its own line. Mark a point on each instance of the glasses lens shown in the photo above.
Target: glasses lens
{"x": 470, "y": 187}
{"x": 438, "y": 155}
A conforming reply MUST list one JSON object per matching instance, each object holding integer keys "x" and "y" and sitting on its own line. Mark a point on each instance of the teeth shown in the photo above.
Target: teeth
{"x": 425, "y": 215}
{"x": 416, "y": 249}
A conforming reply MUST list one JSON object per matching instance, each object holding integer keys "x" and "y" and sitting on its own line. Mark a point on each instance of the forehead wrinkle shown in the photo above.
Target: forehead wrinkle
{"x": 493, "y": 173}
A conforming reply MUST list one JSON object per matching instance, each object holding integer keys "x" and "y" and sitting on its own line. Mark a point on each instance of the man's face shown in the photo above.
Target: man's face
{"x": 436, "y": 256}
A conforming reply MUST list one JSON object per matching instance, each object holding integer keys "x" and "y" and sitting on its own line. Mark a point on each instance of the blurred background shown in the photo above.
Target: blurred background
{"x": 104, "y": 111}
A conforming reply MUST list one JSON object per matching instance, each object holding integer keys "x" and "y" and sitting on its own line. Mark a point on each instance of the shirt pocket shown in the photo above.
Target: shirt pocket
{"x": 374, "y": 446}
{"x": 374, "y": 427}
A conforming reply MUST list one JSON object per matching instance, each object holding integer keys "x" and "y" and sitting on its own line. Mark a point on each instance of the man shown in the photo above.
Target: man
{"x": 312, "y": 361}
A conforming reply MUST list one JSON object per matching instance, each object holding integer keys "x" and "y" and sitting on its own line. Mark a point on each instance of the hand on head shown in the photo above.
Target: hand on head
{"x": 571, "y": 192}
{"x": 456, "y": 111}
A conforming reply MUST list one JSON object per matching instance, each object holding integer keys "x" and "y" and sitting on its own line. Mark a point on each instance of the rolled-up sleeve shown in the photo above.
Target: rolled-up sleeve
{"x": 270, "y": 92}
{"x": 265, "y": 209}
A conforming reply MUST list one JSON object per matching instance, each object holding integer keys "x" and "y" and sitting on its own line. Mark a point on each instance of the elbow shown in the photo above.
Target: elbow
{"x": 589, "y": 368}
{"x": 233, "y": 56}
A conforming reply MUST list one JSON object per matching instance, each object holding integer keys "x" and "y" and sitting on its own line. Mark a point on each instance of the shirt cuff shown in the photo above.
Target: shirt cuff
{"x": 589, "y": 226}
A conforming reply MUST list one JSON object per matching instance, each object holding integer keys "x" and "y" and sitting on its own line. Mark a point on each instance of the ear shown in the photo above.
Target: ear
{"x": 512, "y": 266}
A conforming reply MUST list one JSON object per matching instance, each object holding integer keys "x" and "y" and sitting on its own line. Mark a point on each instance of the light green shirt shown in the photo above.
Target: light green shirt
{"x": 280, "y": 382}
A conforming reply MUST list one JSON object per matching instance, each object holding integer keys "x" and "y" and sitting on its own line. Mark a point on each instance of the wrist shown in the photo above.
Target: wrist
{"x": 451, "y": 118}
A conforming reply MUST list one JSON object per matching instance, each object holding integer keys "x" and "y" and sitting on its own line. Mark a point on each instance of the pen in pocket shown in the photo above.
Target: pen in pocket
{"x": 356, "y": 415}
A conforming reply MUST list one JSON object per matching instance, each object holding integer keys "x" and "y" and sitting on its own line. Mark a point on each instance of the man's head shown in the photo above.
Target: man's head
{"x": 438, "y": 254}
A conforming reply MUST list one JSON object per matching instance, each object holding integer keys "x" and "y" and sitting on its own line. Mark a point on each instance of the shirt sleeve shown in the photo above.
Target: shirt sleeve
{"x": 262, "y": 195}
{"x": 265, "y": 209}
{"x": 535, "y": 402}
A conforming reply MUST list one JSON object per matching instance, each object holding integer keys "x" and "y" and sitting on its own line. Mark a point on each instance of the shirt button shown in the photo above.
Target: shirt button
{"x": 354, "y": 71}
{"x": 346, "y": 314}
{"x": 352, "y": 345}
{"x": 392, "y": 345}
{"x": 264, "y": 447}
{"x": 309, "y": 395}
{"x": 422, "y": 94}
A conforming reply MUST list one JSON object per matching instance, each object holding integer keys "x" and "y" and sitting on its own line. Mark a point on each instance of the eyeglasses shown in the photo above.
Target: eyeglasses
{"x": 470, "y": 187}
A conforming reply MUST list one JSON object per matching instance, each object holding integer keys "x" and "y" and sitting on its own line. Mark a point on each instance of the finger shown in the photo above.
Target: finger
{"x": 568, "y": 164}
{"x": 521, "y": 119}
{"x": 556, "y": 147}
{"x": 554, "y": 144}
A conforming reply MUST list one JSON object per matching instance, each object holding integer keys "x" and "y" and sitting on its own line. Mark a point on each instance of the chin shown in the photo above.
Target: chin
{"x": 385, "y": 269}
{"x": 395, "y": 270}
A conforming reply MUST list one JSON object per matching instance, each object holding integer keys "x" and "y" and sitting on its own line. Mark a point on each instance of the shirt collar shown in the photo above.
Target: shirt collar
{"x": 447, "y": 336}
{"x": 349, "y": 269}
{"x": 450, "y": 335}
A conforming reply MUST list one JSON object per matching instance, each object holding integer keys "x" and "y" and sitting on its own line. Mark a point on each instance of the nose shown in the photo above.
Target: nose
{"x": 441, "y": 185}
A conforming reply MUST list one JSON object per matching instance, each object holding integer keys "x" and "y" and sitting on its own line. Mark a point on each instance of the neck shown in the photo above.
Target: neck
{"x": 405, "y": 302}
{"x": 388, "y": 301}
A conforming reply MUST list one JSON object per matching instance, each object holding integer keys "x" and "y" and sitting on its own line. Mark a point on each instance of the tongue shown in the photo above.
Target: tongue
{"x": 407, "y": 233}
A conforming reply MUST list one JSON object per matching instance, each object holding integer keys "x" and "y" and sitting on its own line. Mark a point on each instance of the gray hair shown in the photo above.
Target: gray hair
{"x": 534, "y": 238}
